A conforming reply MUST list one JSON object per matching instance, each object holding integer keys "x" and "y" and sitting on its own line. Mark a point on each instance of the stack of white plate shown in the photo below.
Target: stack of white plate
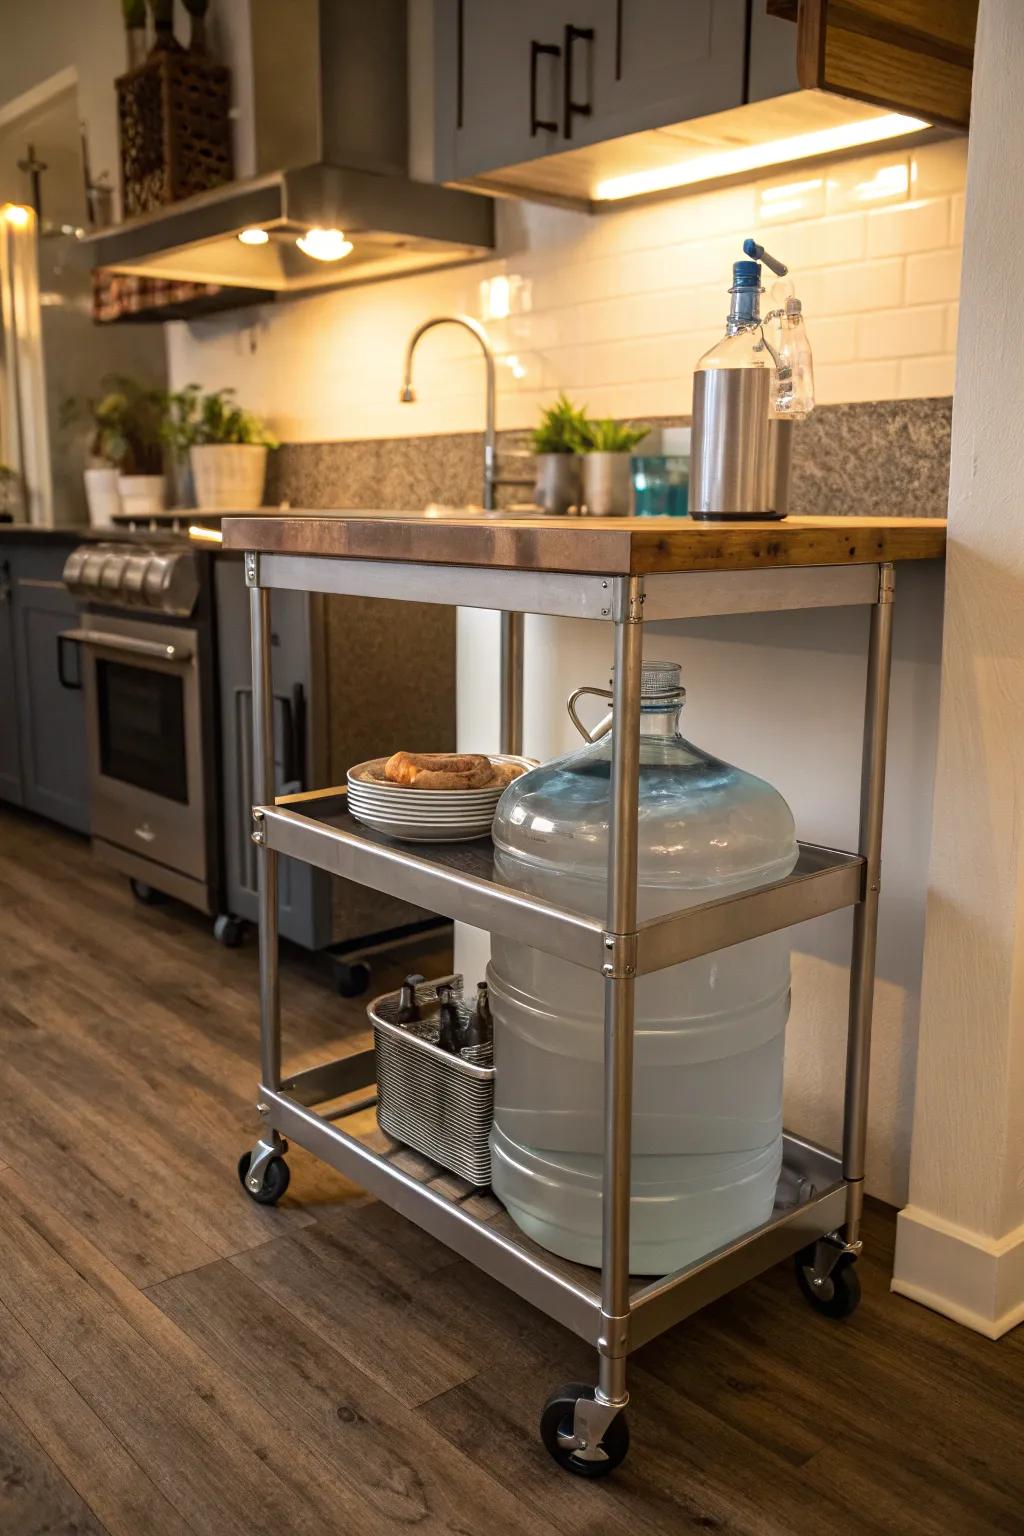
{"x": 423, "y": 815}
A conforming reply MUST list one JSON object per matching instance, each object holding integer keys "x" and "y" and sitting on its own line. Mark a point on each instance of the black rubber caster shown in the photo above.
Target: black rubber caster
{"x": 839, "y": 1294}
{"x": 351, "y": 978}
{"x": 276, "y": 1177}
{"x": 557, "y": 1419}
{"x": 146, "y": 894}
{"x": 228, "y": 930}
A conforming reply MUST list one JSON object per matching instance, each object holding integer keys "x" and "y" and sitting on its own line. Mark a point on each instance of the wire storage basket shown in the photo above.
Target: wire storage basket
{"x": 433, "y": 1101}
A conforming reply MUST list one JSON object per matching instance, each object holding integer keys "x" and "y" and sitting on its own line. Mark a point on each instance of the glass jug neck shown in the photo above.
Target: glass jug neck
{"x": 661, "y": 719}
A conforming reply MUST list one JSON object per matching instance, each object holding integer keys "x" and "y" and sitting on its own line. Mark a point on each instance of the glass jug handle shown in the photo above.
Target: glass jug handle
{"x": 603, "y": 726}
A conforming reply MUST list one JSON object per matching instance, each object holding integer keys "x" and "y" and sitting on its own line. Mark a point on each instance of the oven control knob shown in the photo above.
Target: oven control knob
{"x": 73, "y": 567}
{"x": 133, "y": 578}
{"x": 172, "y": 581}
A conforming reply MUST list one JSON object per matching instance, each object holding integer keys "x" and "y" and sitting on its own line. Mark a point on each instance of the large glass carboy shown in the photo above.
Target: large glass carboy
{"x": 707, "y": 1125}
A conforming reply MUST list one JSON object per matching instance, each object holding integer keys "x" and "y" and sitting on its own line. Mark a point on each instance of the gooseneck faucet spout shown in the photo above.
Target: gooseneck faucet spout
{"x": 511, "y": 623}
{"x": 408, "y": 394}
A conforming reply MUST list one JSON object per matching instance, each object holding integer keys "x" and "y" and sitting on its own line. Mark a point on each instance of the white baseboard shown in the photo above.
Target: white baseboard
{"x": 975, "y": 1280}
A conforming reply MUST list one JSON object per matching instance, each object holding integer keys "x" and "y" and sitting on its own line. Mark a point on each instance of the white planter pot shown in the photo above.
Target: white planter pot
{"x": 607, "y": 487}
{"x": 142, "y": 495}
{"x": 102, "y": 496}
{"x": 229, "y": 477}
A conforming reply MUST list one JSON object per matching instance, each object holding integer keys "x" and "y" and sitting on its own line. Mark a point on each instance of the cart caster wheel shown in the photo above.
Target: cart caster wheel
{"x": 351, "y": 979}
{"x": 556, "y": 1424}
{"x": 836, "y": 1296}
{"x": 228, "y": 930}
{"x": 146, "y": 894}
{"x": 276, "y": 1177}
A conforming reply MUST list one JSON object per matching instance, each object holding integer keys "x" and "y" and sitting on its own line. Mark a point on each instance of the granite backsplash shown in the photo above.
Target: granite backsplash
{"x": 881, "y": 458}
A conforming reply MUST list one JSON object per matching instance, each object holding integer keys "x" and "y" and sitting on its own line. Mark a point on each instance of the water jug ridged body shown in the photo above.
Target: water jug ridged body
{"x": 707, "y": 1129}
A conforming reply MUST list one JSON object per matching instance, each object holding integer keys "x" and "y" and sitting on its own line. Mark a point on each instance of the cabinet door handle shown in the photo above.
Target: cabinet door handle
{"x": 536, "y": 49}
{"x": 62, "y": 677}
{"x": 570, "y": 108}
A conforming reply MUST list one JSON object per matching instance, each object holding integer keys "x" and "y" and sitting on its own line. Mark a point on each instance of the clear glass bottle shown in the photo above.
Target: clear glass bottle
{"x": 743, "y": 345}
{"x": 796, "y": 365}
{"x": 709, "y": 1033}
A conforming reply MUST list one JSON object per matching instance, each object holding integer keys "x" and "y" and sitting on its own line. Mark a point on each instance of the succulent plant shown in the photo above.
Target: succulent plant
{"x": 561, "y": 428}
{"x": 608, "y": 436}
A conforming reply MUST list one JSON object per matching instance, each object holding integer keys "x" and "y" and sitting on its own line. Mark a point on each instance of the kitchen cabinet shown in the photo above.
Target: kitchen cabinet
{"x": 11, "y": 786}
{"x": 43, "y": 760}
{"x": 588, "y": 102}
{"x": 528, "y": 80}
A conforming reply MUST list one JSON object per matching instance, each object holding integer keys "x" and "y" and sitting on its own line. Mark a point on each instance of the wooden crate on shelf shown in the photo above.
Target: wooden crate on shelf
{"x": 173, "y": 116}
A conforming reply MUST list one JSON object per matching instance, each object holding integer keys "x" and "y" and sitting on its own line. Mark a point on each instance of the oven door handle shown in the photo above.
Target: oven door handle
{"x": 112, "y": 642}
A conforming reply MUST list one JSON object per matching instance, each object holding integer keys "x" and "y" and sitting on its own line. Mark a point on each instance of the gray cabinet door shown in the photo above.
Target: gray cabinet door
{"x": 499, "y": 77}
{"x": 305, "y": 897}
{"x": 10, "y": 731}
{"x": 588, "y": 70}
{"x": 51, "y": 715}
{"x": 658, "y": 62}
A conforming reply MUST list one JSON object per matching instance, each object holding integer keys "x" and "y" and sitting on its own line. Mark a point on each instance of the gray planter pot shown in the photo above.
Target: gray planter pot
{"x": 558, "y": 483}
{"x": 607, "y": 487}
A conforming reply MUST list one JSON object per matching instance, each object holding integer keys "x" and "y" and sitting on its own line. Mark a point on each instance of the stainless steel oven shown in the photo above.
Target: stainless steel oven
{"x": 146, "y": 668}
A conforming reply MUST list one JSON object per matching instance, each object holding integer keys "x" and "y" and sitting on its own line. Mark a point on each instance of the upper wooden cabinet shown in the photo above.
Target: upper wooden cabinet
{"x": 579, "y": 100}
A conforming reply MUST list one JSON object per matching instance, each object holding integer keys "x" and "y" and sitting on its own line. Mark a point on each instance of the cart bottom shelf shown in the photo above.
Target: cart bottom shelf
{"x": 810, "y": 1201}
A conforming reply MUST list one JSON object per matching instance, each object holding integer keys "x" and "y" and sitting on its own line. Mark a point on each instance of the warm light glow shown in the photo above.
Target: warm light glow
{"x": 324, "y": 244}
{"x": 789, "y": 189}
{"x": 205, "y": 535}
{"x": 253, "y": 236}
{"x": 496, "y": 297}
{"x": 15, "y": 214}
{"x": 512, "y": 362}
{"x": 890, "y": 181}
{"x": 753, "y": 157}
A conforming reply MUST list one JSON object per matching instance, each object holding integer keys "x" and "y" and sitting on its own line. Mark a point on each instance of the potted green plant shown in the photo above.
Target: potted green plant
{"x": 125, "y": 450}
{"x": 556, "y": 444}
{"x": 227, "y": 448}
{"x": 606, "y": 449}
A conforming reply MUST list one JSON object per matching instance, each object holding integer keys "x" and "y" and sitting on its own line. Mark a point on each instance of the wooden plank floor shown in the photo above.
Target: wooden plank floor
{"x": 176, "y": 1360}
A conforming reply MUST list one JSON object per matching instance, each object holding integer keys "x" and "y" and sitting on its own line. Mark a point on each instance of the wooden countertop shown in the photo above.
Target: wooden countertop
{"x": 593, "y": 545}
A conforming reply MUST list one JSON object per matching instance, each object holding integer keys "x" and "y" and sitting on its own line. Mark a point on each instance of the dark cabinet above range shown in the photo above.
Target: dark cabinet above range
{"x": 588, "y": 102}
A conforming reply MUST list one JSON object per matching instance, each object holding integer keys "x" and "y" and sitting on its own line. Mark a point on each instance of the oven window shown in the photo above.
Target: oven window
{"x": 142, "y": 728}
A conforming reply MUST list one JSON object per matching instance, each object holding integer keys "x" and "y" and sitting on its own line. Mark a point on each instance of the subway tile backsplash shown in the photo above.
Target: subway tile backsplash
{"x": 616, "y": 308}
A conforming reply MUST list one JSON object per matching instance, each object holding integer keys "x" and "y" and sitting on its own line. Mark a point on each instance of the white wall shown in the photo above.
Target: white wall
{"x": 961, "y": 1241}
{"x": 616, "y": 308}
{"x": 83, "y": 36}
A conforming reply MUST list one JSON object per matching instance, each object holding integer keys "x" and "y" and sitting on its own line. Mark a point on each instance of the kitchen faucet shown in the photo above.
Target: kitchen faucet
{"x": 511, "y": 623}
{"x": 408, "y": 395}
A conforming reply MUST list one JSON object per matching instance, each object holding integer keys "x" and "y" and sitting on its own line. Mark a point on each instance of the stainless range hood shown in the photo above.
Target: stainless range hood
{"x": 329, "y": 102}
{"x": 394, "y": 225}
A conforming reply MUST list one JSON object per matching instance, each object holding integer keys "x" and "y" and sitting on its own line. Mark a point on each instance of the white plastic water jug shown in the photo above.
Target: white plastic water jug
{"x": 707, "y": 1098}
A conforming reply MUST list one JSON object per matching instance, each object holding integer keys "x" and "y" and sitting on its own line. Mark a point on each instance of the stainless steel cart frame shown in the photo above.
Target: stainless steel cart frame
{"x": 821, "y": 1197}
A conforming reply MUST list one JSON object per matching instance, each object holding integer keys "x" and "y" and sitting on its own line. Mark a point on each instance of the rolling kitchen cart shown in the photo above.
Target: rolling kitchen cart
{"x": 622, "y": 572}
